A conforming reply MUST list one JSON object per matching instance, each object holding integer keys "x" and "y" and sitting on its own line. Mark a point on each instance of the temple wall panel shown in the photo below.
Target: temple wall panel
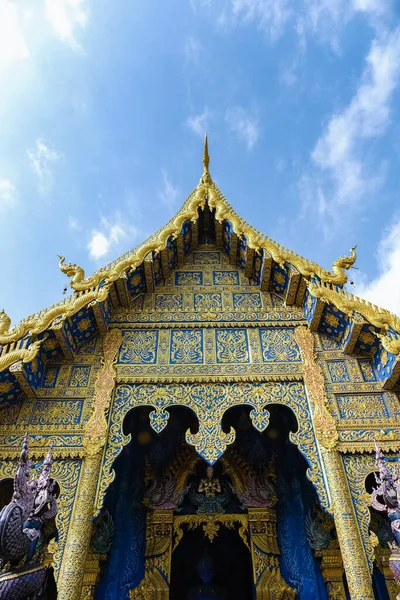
{"x": 208, "y": 339}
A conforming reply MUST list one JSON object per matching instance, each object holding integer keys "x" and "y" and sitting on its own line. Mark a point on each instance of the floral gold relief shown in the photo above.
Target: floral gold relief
{"x": 324, "y": 423}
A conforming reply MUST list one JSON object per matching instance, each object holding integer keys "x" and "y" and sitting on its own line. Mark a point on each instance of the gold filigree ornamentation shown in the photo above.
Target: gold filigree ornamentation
{"x": 209, "y": 402}
{"x": 324, "y": 423}
{"x": 96, "y": 427}
{"x": 348, "y": 303}
{"x": 211, "y": 525}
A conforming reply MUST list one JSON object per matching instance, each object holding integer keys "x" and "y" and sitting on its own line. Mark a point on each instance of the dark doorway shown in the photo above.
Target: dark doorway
{"x": 225, "y": 562}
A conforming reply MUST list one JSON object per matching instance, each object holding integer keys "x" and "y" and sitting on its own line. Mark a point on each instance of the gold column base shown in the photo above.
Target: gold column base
{"x": 332, "y": 571}
{"x": 91, "y": 575}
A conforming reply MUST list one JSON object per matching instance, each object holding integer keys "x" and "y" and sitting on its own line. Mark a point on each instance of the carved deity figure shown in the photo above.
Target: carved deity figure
{"x": 389, "y": 490}
{"x": 210, "y": 496}
{"x": 209, "y": 485}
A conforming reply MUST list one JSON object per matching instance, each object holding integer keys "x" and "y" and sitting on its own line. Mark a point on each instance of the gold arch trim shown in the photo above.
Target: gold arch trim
{"x": 259, "y": 396}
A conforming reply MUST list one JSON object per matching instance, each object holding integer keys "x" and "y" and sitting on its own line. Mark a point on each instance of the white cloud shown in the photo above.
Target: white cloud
{"x": 384, "y": 290}
{"x": 340, "y": 174}
{"x": 244, "y": 125}
{"x": 110, "y": 233}
{"x": 169, "y": 194}
{"x": 42, "y": 159}
{"x": 65, "y": 16}
{"x": 12, "y": 42}
{"x": 199, "y": 123}
{"x": 101, "y": 242}
{"x": 7, "y": 193}
{"x": 323, "y": 19}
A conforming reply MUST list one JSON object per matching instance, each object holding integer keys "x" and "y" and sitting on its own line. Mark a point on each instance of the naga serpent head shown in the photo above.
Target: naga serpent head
{"x": 70, "y": 269}
{"x": 346, "y": 262}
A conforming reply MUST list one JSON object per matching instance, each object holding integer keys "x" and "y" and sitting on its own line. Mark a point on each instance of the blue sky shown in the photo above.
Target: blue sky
{"x": 103, "y": 108}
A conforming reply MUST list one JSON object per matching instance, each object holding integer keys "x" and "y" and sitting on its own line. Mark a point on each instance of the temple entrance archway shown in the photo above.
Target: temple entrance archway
{"x": 157, "y": 495}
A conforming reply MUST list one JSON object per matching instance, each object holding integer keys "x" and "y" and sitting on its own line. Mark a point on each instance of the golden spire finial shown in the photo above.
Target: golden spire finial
{"x": 206, "y": 178}
{"x": 206, "y": 156}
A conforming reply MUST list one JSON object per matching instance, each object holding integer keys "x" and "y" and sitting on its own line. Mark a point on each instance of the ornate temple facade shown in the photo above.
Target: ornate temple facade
{"x": 212, "y": 400}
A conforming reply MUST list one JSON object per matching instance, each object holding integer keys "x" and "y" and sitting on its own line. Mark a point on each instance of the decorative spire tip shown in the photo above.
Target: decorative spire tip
{"x": 206, "y": 156}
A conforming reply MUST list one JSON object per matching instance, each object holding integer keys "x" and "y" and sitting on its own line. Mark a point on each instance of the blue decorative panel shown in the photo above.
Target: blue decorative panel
{"x": 206, "y": 258}
{"x": 208, "y": 302}
{"x": 82, "y": 325}
{"x": 186, "y": 346}
{"x": 257, "y": 273}
{"x": 168, "y": 301}
{"x": 227, "y": 236}
{"x": 186, "y": 231}
{"x": 367, "y": 339}
{"x": 333, "y": 322}
{"x": 279, "y": 280}
{"x": 232, "y": 346}
{"x": 50, "y": 376}
{"x": 10, "y": 390}
{"x": 172, "y": 250}
{"x": 50, "y": 348}
{"x": 136, "y": 281}
{"x": 309, "y": 306}
{"x": 338, "y": 371}
{"x": 226, "y": 278}
{"x": 105, "y": 309}
{"x": 158, "y": 270}
{"x": 138, "y": 347}
{"x": 247, "y": 301}
{"x": 328, "y": 343}
{"x": 88, "y": 347}
{"x": 34, "y": 371}
{"x": 79, "y": 376}
{"x": 57, "y": 412}
{"x": 383, "y": 363}
{"x": 362, "y": 407}
{"x": 241, "y": 252}
{"x": 367, "y": 370}
{"x": 188, "y": 278}
{"x": 279, "y": 345}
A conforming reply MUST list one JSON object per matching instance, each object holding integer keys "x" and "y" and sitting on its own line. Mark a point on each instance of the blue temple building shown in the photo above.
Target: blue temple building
{"x": 212, "y": 400}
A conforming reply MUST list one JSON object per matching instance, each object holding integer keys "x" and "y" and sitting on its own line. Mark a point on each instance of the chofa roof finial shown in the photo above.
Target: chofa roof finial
{"x": 206, "y": 156}
{"x": 206, "y": 178}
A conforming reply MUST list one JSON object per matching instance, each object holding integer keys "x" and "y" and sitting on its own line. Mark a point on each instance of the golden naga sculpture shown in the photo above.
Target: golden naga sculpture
{"x": 36, "y": 324}
{"x": 25, "y": 355}
{"x": 348, "y": 303}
